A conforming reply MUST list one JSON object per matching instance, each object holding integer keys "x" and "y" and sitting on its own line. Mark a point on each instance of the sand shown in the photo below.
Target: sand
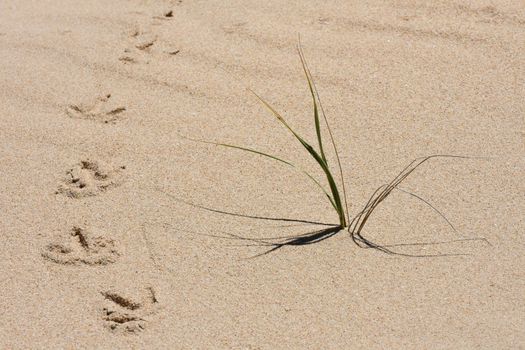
{"x": 100, "y": 251}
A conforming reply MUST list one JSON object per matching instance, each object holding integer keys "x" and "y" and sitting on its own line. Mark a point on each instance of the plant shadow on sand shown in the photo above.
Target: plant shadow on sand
{"x": 337, "y": 198}
{"x": 354, "y": 228}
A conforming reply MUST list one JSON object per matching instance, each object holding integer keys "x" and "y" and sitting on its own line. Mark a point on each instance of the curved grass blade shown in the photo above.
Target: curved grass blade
{"x": 274, "y": 158}
{"x": 331, "y": 182}
{"x": 249, "y": 216}
{"x": 359, "y": 221}
{"x": 315, "y": 95}
{"x": 316, "y": 110}
{"x": 429, "y": 205}
{"x": 285, "y": 162}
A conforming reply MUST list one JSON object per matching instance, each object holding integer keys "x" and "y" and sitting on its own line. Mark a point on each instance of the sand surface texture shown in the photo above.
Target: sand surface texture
{"x": 101, "y": 250}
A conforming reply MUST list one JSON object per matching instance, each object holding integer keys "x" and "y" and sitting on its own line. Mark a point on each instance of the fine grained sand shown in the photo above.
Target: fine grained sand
{"x": 94, "y": 96}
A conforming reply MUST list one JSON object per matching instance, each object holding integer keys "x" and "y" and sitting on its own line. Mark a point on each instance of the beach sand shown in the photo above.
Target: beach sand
{"x": 101, "y": 248}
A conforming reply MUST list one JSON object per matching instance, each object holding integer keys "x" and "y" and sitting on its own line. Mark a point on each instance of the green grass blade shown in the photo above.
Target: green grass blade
{"x": 271, "y": 157}
{"x": 258, "y": 153}
{"x": 318, "y": 159}
{"x": 313, "y": 90}
{"x": 285, "y": 162}
{"x": 316, "y": 109}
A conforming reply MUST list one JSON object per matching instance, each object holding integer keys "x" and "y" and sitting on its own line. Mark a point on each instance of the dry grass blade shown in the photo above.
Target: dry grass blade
{"x": 240, "y": 215}
{"x": 359, "y": 221}
{"x": 429, "y": 205}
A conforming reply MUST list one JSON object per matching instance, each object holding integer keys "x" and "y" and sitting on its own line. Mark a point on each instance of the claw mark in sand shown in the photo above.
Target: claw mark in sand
{"x": 100, "y": 111}
{"x": 142, "y": 40}
{"x": 139, "y": 47}
{"x": 144, "y": 46}
{"x": 127, "y": 315}
{"x": 89, "y": 178}
{"x": 167, "y": 15}
{"x": 82, "y": 247}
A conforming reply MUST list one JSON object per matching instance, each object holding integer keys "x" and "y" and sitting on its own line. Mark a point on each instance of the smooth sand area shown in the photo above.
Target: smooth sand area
{"x": 101, "y": 251}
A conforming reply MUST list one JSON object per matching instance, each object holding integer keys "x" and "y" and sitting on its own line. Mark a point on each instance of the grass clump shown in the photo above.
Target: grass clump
{"x": 336, "y": 197}
{"x": 336, "y": 193}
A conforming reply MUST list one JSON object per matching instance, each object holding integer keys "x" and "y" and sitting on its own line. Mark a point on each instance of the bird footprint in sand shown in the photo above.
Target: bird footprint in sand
{"x": 140, "y": 46}
{"x": 129, "y": 314}
{"x": 82, "y": 247}
{"x": 101, "y": 110}
{"x": 89, "y": 178}
{"x": 143, "y": 44}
